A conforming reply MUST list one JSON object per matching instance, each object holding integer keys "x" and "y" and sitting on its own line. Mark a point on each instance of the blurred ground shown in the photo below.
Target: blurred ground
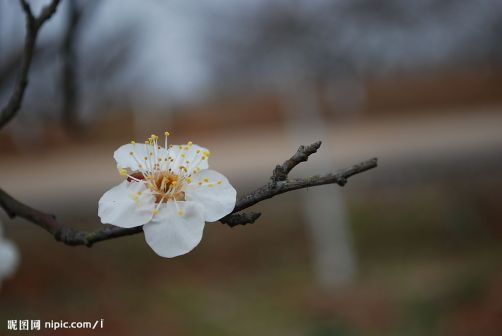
{"x": 426, "y": 269}
{"x": 440, "y": 139}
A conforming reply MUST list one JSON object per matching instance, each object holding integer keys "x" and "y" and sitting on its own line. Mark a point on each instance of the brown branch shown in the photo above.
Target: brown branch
{"x": 302, "y": 154}
{"x": 33, "y": 25}
{"x": 242, "y": 218}
{"x": 71, "y": 236}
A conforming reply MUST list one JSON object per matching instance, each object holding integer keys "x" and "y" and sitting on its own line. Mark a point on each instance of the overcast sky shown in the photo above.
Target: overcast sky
{"x": 169, "y": 38}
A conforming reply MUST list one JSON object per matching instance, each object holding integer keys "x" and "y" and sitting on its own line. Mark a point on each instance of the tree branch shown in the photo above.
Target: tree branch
{"x": 72, "y": 237}
{"x": 302, "y": 154}
{"x": 33, "y": 25}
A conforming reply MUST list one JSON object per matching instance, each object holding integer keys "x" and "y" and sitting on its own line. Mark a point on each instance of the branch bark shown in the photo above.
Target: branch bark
{"x": 72, "y": 237}
{"x": 302, "y": 154}
{"x": 33, "y": 25}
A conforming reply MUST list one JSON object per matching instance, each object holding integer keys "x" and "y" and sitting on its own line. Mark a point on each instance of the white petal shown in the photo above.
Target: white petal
{"x": 9, "y": 258}
{"x": 126, "y": 160}
{"x": 119, "y": 207}
{"x": 170, "y": 234}
{"x": 217, "y": 196}
{"x": 193, "y": 154}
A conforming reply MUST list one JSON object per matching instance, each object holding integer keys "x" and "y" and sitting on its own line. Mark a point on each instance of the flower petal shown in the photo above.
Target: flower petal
{"x": 126, "y": 160}
{"x": 214, "y": 192}
{"x": 170, "y": 234}
{"x": 9, "y": 258}
{"x": 192, "y": 153}
{"x": 121, "y": 205}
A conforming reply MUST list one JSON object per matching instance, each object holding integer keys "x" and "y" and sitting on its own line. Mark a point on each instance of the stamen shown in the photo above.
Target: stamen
{"x": 122, "y": 172}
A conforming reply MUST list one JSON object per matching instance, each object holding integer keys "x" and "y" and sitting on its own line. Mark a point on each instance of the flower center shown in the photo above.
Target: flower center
{"x": 164, "y": 185}
{"x": 166, "y": 170}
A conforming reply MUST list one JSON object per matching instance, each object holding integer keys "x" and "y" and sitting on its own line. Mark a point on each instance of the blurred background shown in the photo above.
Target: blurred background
{"x": 410, "y": 248}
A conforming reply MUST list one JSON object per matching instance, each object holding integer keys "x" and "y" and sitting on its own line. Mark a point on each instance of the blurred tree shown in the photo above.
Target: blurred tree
{"x": 67, "y": 80}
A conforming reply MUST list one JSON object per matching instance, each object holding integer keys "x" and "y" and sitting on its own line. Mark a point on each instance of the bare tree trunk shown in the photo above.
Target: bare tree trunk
{"x": 69, "y": 80}
{"x": 325, "y": 211}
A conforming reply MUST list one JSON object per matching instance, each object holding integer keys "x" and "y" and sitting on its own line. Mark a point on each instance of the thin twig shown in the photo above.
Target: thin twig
{"x": 70, "y": 236}
{"x": 302, "y": 154}
{"x": 33, "y": 25}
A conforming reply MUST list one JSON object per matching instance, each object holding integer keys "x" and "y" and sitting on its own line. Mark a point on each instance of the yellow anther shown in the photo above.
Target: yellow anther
{"x": 139, "y": 193}
{"x": 189, "y": 180}
{"x": 205, "y": 179}
{"x": 182, "y": 155}
{"x": 155, "y": 211}
{"x": 185, "y": 148}
{"x": 190, "y": 143}
{"x": 153, "y": 137}
{"x": 210, "y": 185}
{"x": 159, "y": 159}
{"x": 180, "y": 147}
{"x": 203, "y": 158}
{"x": 133, "y": 142}
{"x": 206, "y": 153}
{"x": 197, "y": 151}
{"x": 219, "y": 182}
{"x": 181, "y": 212}
{"x": 122, "y": 172}
{"x": 167, "y": 133}
{"x": 146, "y": 141}
{"x": 174, "y": 183}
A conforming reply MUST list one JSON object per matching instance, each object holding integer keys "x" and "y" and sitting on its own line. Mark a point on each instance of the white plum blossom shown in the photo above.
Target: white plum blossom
{"x": 9, "y": 257}
{"x": 170, "y": 191}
